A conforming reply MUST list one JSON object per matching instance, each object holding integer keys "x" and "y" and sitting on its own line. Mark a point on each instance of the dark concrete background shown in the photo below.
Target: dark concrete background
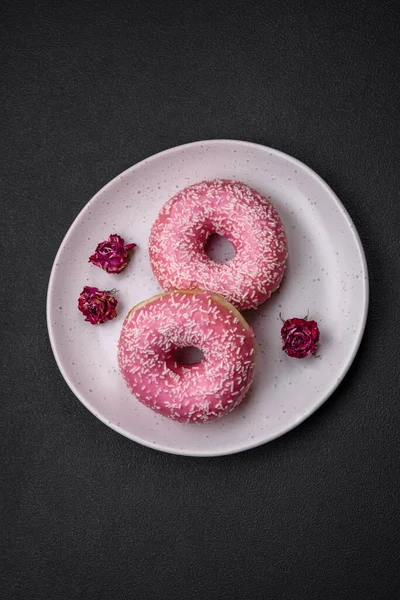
{"x": 88, "y": 89}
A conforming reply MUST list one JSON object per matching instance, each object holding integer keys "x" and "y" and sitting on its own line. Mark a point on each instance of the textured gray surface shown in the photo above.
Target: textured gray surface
{"x": 89, "y": 89}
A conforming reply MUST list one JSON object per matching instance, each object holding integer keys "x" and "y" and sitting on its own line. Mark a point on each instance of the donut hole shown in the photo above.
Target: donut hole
{"x": 219, "y": 249}
{"x": 190, "y": 355}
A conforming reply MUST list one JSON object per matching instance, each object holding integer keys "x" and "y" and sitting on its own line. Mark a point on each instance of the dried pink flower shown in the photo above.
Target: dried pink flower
{"x": 300, "y": 337}
{"x": 98, "y": 306}
{"x": 112, "y": 255}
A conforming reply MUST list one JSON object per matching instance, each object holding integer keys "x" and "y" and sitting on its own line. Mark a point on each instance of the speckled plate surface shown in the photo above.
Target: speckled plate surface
{"x": 326, "y": 275}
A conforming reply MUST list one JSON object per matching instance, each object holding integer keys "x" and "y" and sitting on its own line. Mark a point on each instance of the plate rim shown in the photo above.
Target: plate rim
{"x": 303, "y": 417}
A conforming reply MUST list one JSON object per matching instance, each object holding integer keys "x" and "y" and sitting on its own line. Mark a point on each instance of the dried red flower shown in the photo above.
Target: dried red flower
{"x": 98, "y": 306}
{"x": 112, "y": 255}
{"x": 300, "y": 337}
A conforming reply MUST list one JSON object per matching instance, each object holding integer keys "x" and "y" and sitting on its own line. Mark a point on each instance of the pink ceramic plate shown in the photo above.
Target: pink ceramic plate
{"x": 326, "y": 275}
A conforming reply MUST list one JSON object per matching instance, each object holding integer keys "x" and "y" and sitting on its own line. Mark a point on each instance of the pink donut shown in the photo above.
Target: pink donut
{"x": 232, "y": 210}
{"x": 154, "y": 330}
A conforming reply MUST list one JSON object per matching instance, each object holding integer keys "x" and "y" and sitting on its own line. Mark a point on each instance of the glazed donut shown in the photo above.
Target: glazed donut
{"x": 154, "y": 330}
{"x": 230, "y": 209}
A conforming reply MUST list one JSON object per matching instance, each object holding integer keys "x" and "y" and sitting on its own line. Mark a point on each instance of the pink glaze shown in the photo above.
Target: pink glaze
{"x": 235, "y": 211}
{"x": 150, "y": 337}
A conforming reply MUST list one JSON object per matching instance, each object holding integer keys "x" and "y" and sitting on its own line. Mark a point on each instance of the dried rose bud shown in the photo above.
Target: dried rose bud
{"x": 300, "y": 337}
{"x": 98, "y": 306}
{"x": 112, "y": 255}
